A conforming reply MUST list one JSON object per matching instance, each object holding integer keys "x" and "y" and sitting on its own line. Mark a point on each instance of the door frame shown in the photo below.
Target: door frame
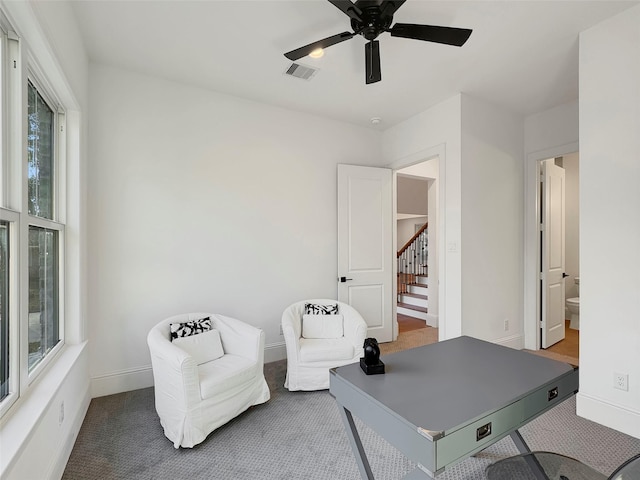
{"x": 532, "y": 292}
{"x": 438, "y": 152}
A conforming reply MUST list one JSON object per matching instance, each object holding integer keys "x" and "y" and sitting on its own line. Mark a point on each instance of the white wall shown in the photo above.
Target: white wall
{"x": 481, "y": 172}
{"x": 204, "y": 202}
{"x": 609, "y": 222}
{"x": 406, "y": 228}
{"x": 34, "y": 443}
{"x": 436, "y": 133}
{"x": 550, "y": 130}
{"x": 412, "y": 199}
{"x": 492, "y": 224}
{"x": 412, "y": 195}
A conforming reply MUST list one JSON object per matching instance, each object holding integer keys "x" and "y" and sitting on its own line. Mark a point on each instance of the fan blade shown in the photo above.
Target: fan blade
{"x": 372, "y": 60}
{"x": 348, "y": 8}
{"x": 389, "y": 8}
{"x": 431, "y": 33}
{"x": 298, "y": 53}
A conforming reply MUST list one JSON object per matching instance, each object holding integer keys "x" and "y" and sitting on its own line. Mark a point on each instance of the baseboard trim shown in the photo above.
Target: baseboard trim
{"x": 606, "y": 413}
{"x": 512, "y": 341}
{"x": 432, "y": 320}
{"x": 274, "y": 352}
{"x": 122, "y": 381}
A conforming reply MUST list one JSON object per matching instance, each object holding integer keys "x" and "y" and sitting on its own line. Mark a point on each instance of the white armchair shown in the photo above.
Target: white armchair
{"x": 309, "y": 359}
{"x": 192, "y": 399}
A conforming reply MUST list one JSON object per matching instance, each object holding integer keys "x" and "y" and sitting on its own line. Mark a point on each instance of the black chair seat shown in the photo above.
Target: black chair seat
{"x": 553, "y": 466}
{"x": 541, "y": 466}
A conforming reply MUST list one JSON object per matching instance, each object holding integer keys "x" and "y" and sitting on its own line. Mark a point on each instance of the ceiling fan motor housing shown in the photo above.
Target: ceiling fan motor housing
{"x": 374, "y": 21}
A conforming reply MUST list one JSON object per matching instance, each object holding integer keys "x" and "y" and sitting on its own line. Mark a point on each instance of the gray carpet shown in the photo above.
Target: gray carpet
{"x": 298, "y": 435}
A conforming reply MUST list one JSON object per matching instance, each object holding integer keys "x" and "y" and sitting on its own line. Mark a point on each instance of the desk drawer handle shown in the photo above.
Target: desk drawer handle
{"x": 483, "y": 431}
{"x": 551, "y": 394}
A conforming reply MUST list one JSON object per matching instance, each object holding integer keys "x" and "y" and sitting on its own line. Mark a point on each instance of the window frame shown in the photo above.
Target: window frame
{"x": 13, "y": 220}
{"x": 18, "y": 68}
{"x": 34, "y": 77}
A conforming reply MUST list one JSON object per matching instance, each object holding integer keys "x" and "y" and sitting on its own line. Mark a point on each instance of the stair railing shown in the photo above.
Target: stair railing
{"x": 412, "y": 259}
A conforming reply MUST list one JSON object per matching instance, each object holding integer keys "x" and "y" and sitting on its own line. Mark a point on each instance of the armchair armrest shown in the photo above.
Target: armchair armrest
{"x": 355, "y": 328}
{"x": 239, "y": 338}
{"x": 292, "y": 331}
{"x": 175, "y": 372}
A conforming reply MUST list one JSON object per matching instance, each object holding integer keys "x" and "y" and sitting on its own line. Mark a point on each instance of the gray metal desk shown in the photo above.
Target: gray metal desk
{"x": 441, "y": 403}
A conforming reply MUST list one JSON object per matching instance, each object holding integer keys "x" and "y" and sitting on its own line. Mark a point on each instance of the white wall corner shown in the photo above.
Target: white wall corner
{"x": 605, "y": 413}
{"x": 274, "y": 352}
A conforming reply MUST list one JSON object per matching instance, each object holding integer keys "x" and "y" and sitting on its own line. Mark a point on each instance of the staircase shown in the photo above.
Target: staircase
{"x": 413, "y": 280}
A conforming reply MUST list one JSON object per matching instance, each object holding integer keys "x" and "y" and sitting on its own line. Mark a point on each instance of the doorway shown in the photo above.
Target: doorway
{"x": 416, "y": 236}
{"x": 559, "y": 318}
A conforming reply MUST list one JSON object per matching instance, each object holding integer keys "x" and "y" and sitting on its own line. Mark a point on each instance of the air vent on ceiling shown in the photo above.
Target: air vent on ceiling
{"x": 301, "y": 71}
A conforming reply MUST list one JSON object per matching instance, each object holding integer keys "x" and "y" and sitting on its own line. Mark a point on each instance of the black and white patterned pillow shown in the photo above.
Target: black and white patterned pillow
{"x": 316, "y": 309}
{"x": 192, "y": 327}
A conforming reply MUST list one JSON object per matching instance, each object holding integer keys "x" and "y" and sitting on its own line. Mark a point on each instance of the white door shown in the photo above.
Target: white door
{"x": 552, "y": 245}
{"x": 365, "y": 247}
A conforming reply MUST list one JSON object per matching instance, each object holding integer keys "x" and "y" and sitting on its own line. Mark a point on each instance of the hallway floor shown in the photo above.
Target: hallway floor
{"x": 565, "y": 350}
{"x": 407, "y": 323}
{"x": 570, "y": 346}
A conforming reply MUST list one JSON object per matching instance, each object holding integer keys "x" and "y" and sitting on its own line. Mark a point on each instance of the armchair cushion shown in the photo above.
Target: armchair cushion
{"x": 203, "y": 347}
{"x": 191, "y": 327}
{"x": 325, "y": 350}
{"x": 322, "y": 326}
{"x": 225, "y": 374}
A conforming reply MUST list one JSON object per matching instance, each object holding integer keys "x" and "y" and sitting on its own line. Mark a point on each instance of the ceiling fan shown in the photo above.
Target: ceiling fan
{"x": 370, "y": 18}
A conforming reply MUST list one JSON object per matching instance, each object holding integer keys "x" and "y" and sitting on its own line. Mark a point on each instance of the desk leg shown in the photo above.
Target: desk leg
{"x": 532, "y": 462}
{"x": 356, "y": 444}
{"x": 521, "y": 445}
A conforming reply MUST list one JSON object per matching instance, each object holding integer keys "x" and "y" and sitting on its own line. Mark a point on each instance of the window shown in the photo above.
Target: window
{"x": 43, "y": 317}
{"x": 40, "y": 148}
{"x": 44, "y": 332}
{"x": 31, "y": 221}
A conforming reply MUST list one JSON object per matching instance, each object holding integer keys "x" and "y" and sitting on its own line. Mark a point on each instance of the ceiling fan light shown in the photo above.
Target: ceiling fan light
{"x": 317, "y": 53}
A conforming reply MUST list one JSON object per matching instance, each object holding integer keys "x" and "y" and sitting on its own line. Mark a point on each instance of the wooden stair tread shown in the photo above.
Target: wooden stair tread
{"x": 412, "y": 307}
{"x": 415, "y": 295}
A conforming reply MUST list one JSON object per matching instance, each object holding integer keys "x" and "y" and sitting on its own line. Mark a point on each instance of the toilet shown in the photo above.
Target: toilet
{"x": 573, "y": 304}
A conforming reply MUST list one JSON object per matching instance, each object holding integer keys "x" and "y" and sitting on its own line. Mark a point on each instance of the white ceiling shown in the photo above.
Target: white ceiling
{"x": 522, "y": 55}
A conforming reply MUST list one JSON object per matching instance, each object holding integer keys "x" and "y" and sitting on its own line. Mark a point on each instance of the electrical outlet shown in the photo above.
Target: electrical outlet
{"x": 61, "y": 415}
{"x": 621, "y": 381}
{"x": 506, "y": 324}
